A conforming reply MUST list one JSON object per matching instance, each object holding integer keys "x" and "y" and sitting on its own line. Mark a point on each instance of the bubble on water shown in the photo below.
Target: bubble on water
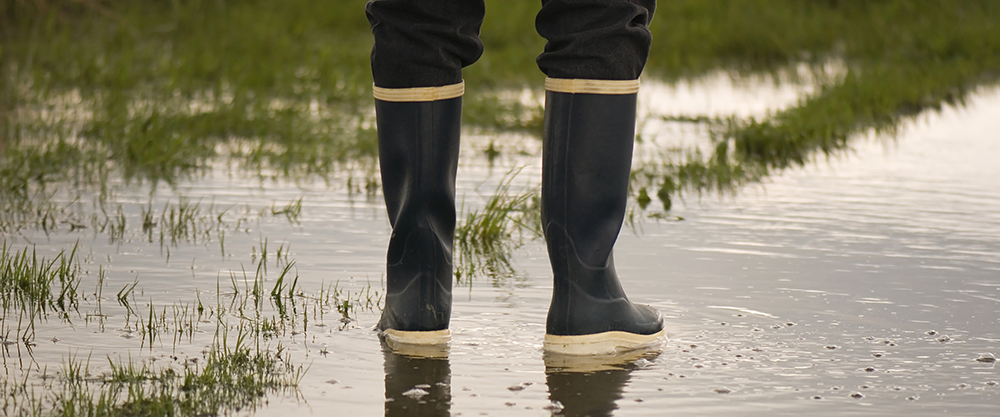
{"x": 555, "y": 407}
{"x": 987, "y": 358}
{"x": 415, "y": 393}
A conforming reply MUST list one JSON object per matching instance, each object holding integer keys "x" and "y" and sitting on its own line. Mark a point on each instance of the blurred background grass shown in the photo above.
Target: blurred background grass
{"x": 156, "y": 90}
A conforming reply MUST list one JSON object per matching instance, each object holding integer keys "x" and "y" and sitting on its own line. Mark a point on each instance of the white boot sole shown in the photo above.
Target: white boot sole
{"x": 407, "y": 338}
{"x": 606, "y": 343}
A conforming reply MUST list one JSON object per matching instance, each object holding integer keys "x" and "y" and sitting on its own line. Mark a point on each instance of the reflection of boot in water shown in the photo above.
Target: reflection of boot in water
{"x": 590, "y": 385}
{"x": 417, "y": 385}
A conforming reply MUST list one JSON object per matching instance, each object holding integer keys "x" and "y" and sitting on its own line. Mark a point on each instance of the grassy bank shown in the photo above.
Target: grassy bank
{"x": 161, "y": 89}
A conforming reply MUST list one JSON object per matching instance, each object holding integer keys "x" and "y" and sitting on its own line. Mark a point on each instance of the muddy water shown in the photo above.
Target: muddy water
{"x": 864, "y": 284}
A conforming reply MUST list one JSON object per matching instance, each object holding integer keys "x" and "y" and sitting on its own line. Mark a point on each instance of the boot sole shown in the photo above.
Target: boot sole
{"x": 401, "y": 337}
{"x": 606, "y": 343}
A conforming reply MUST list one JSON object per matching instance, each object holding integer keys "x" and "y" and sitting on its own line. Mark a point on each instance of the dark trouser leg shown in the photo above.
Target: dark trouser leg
{"x": 594, "y": 39}
{"x": 420, "y": 49}
{"x": 586, "y": 160}
{"x": 421, "y": 43}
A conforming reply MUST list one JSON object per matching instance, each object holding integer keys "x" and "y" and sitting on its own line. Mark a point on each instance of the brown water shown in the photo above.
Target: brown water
{"x": 867, "y": 284}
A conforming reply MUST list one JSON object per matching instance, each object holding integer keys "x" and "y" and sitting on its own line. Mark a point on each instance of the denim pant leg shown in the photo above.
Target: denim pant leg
{"x": 595, "y": 39}
{"x": 424, "y": 43}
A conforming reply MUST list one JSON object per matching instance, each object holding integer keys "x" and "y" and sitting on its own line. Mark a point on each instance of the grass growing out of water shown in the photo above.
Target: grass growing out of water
{"x": 233, "y": 376}
{"x": 242, "y": 367}
{"x": 486, "y": 237}
{"x": 32, "y": 287}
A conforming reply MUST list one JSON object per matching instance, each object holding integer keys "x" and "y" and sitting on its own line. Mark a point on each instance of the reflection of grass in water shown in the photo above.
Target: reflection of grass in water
{"x": 486, "y": 238}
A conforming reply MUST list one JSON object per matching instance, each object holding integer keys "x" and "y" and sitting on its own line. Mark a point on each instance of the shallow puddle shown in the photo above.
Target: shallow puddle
{"x": 865, "y": 284}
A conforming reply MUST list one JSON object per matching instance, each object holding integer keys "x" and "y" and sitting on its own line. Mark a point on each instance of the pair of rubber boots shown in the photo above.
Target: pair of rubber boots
{"x": 589, "y": 130}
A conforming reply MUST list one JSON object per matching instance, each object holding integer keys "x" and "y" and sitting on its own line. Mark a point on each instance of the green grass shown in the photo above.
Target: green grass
{"x": 901, "y": 58}
{"x": 232, "y": 377}
{"x": 243, "y": 365}
{"x": 31, "y": 288}
{"x": 486, "y": 238}
{"x": 163, "y": 90}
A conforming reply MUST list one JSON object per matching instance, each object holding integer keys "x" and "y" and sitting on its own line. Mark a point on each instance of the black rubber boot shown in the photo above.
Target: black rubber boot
{"x": 586, "y": 162}
{"x": 418, "y": 154}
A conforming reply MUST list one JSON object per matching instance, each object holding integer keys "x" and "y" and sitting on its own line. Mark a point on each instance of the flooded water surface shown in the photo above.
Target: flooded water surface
{"x": 866, "y": 283}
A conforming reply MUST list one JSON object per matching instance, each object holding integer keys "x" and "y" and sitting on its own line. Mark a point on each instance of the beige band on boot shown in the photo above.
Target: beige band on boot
{"x": 584, "y": 86}
{"x": 420, "y": 93}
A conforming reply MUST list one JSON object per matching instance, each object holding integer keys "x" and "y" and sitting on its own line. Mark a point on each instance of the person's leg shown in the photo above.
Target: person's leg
{"x": 595, "y": 52}
{"x": 594, "y": 39}
{"x": 420, "y": 49}
{"x": 424, "y": 43}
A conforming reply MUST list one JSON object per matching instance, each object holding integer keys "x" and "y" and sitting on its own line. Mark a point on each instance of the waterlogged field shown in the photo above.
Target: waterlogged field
{"x": 192, "y": 221}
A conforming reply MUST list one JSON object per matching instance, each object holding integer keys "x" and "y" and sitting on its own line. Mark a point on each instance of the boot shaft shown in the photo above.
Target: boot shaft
{"x": 418, "y": 141}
